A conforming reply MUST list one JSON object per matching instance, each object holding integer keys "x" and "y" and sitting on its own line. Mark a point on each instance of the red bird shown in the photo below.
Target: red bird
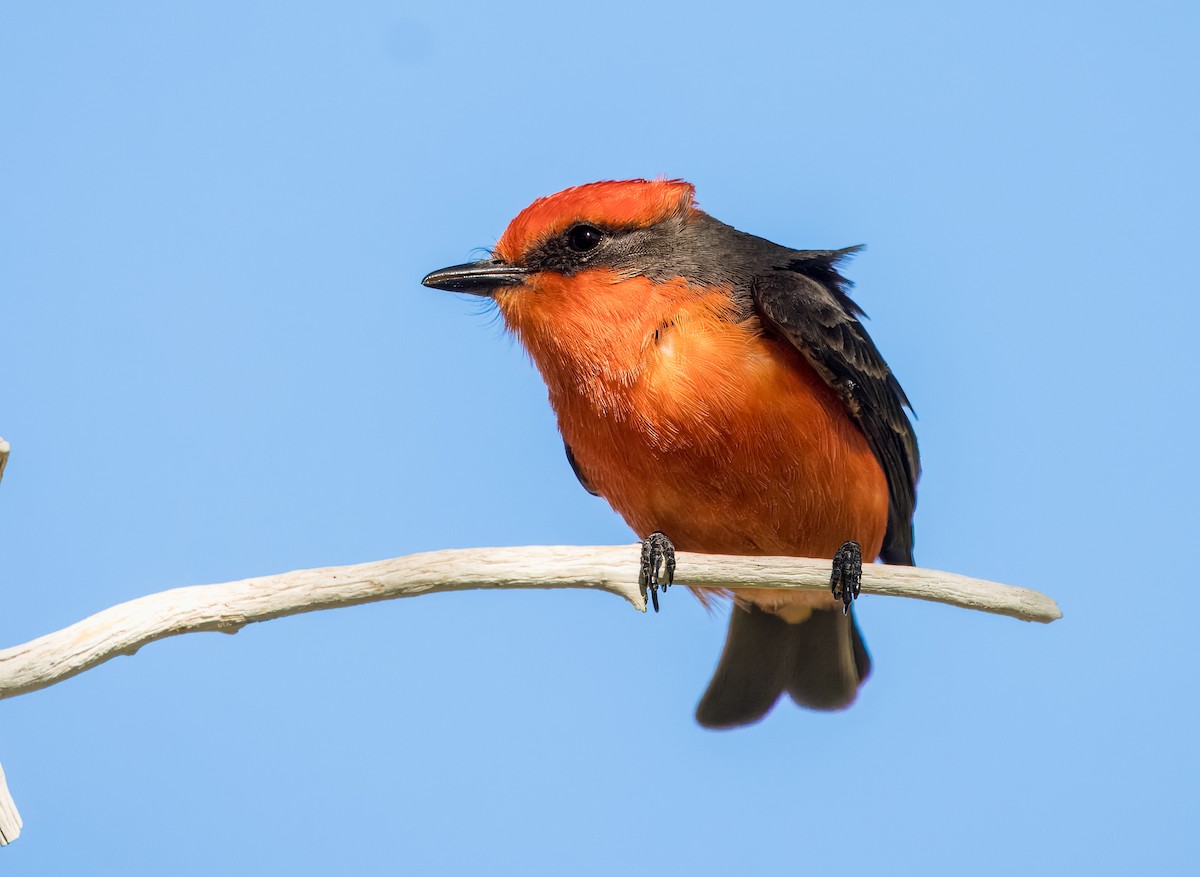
{"x": 720, "y": 392}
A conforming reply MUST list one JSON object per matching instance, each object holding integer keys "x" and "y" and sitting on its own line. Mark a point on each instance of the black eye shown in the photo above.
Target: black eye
{"x": 582, "y": 238}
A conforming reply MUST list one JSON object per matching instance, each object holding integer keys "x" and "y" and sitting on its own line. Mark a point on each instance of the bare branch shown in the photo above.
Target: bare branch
{"x": 124, "y": 629}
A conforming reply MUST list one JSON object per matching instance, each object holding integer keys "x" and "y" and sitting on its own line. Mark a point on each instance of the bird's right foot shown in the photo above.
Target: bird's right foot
{"x": 846, "y": 581}
{"x": 656, "y": 549}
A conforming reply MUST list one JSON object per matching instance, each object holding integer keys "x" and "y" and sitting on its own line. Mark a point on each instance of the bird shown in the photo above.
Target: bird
{"x": 720, "y": 391}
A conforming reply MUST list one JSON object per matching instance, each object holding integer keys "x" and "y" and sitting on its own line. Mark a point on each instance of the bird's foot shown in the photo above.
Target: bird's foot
{"x": 846, "y": 581}
{"x": 656, "y": 548}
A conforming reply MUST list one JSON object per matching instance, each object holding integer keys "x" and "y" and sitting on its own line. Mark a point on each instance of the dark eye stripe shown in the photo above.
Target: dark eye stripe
{"x": 580, "y": 245}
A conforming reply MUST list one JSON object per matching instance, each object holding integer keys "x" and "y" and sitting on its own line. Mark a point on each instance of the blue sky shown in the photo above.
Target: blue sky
{"x": 218, "y": 362}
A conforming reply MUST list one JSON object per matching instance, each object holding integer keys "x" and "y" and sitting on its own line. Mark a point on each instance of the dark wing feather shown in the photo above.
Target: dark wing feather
{"x": 807, "y": 304}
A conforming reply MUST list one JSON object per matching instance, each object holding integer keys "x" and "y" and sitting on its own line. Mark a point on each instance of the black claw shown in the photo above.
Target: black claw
{"x": 656, "y": 548}
{"x": 846, "y": 580}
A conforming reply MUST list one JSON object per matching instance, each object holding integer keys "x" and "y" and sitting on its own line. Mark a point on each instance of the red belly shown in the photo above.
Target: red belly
{"x": 764, "y": 460}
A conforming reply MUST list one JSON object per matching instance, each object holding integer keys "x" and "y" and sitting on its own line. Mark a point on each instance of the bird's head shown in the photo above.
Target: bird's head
{"x": 600, "y": 226}
{"x": 588, "y": 276}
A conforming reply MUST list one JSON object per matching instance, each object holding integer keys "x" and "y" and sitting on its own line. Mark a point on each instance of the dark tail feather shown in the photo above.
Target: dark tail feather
{"x": 820, "y": 662}
{"x": 830, "y": 661}
{"x": 752, "y": 672}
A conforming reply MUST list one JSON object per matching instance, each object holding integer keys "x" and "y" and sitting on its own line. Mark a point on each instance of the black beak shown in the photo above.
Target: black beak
{"x": 478, "y": 278}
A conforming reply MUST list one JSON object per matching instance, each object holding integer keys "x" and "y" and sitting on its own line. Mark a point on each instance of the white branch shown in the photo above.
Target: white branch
{"x": 124, "y": 629}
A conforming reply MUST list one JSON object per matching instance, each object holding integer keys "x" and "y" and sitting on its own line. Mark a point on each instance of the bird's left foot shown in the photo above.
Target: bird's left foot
{"x": 846, "y": 581}
{"x": 656, "y": 548}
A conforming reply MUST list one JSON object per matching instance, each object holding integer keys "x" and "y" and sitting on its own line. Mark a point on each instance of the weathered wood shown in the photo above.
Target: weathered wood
{"x": 123, "y": 629}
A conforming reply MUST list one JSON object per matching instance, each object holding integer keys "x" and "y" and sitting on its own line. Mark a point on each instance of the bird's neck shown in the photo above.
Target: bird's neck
{"x": 595, "y": 338}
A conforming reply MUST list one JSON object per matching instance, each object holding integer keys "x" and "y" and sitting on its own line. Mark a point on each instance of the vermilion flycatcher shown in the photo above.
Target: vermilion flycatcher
{"x": 720, "y": 392}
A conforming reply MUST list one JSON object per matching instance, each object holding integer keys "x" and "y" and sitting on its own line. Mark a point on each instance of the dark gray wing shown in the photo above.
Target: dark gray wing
{"x": 578, "y": 472}
{"x": 807, "y": 304}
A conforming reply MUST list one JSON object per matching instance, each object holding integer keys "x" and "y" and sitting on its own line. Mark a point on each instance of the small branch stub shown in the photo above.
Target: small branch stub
{"x": 10, "y": 819}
